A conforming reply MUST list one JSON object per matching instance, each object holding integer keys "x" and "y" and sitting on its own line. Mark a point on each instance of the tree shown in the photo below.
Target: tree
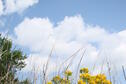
{"x": 11, "y": 60}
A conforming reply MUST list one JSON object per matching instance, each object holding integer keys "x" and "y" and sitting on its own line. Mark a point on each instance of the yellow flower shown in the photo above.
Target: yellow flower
{"x": 97, "y": 80}
{"x": 84, "y": 70}
{"x": 92, "y": 82}
{"x": 101, "y": 76}
{"x": 68, "y": 73}
{"x": 81, "y": 82}
{"x": 92, "y": 77}
{"x": 106, "y": 82}
{"x": 65, "y": 81}
{"x": 49, "y": 82}
{"x": 85, "y": 76}
{"x": 56, "y": 78}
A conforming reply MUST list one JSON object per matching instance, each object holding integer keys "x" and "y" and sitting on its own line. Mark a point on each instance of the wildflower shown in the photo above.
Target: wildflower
{"x": 65, "y": 81}
{"x": 81, "y": 82}
{"x": 106, "y": 82}
{"x": 97, "y": 80}
{"x": 56, "y": 78}
{"x": 92, "y": 82}
{"x": 85, "y": 76}
{"x": 68, "y": 73}
{"x": 92, "y": 77}
{"x": 84, "y": 70}
{"x": 49, "y": 82}
{"x": 101, "y": 76}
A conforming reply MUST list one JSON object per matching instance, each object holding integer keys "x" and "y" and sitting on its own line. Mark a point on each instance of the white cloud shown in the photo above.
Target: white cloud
{"x": 34, "y": 32}
{"x": 12, "y": 6}
{"x": 69, "y": 28}
{"x": 39, "y": 35}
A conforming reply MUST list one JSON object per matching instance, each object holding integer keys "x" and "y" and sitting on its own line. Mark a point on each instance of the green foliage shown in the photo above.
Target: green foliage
{"x": 10, "y": 61}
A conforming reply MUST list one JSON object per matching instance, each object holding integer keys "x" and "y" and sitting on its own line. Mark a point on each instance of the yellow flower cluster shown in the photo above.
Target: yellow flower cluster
{"x": 65, "y": 81}
{"x": 85, "y": 78}
{"x": 81, "y": 82}
{"x": 84, "y": 70}
{"x": 56, "y": 79}
{"x": 59, "y": 80}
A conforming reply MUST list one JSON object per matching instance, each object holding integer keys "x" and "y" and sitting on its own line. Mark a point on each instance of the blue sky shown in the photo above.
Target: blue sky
{"x": 97, "y": 25}
{"x": 106, "y": 13}
{"x": 109, "y": 14}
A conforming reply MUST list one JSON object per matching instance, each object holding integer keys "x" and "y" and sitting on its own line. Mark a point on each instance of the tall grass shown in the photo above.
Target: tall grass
{"x": 68, "y": 61}
{"x": 44, "y": 77}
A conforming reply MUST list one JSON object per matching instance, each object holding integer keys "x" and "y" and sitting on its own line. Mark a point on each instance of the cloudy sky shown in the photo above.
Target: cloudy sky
{"x": 97, "y": 26}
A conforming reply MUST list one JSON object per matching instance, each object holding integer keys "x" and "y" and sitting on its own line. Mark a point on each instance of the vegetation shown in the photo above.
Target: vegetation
{"x": 11, "y": 60}
{"x": 85, "y": 78}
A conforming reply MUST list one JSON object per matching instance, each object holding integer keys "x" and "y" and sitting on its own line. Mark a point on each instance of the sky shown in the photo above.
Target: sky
{"x": 106, "y": 13}
{"x": 35, "y": 26}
